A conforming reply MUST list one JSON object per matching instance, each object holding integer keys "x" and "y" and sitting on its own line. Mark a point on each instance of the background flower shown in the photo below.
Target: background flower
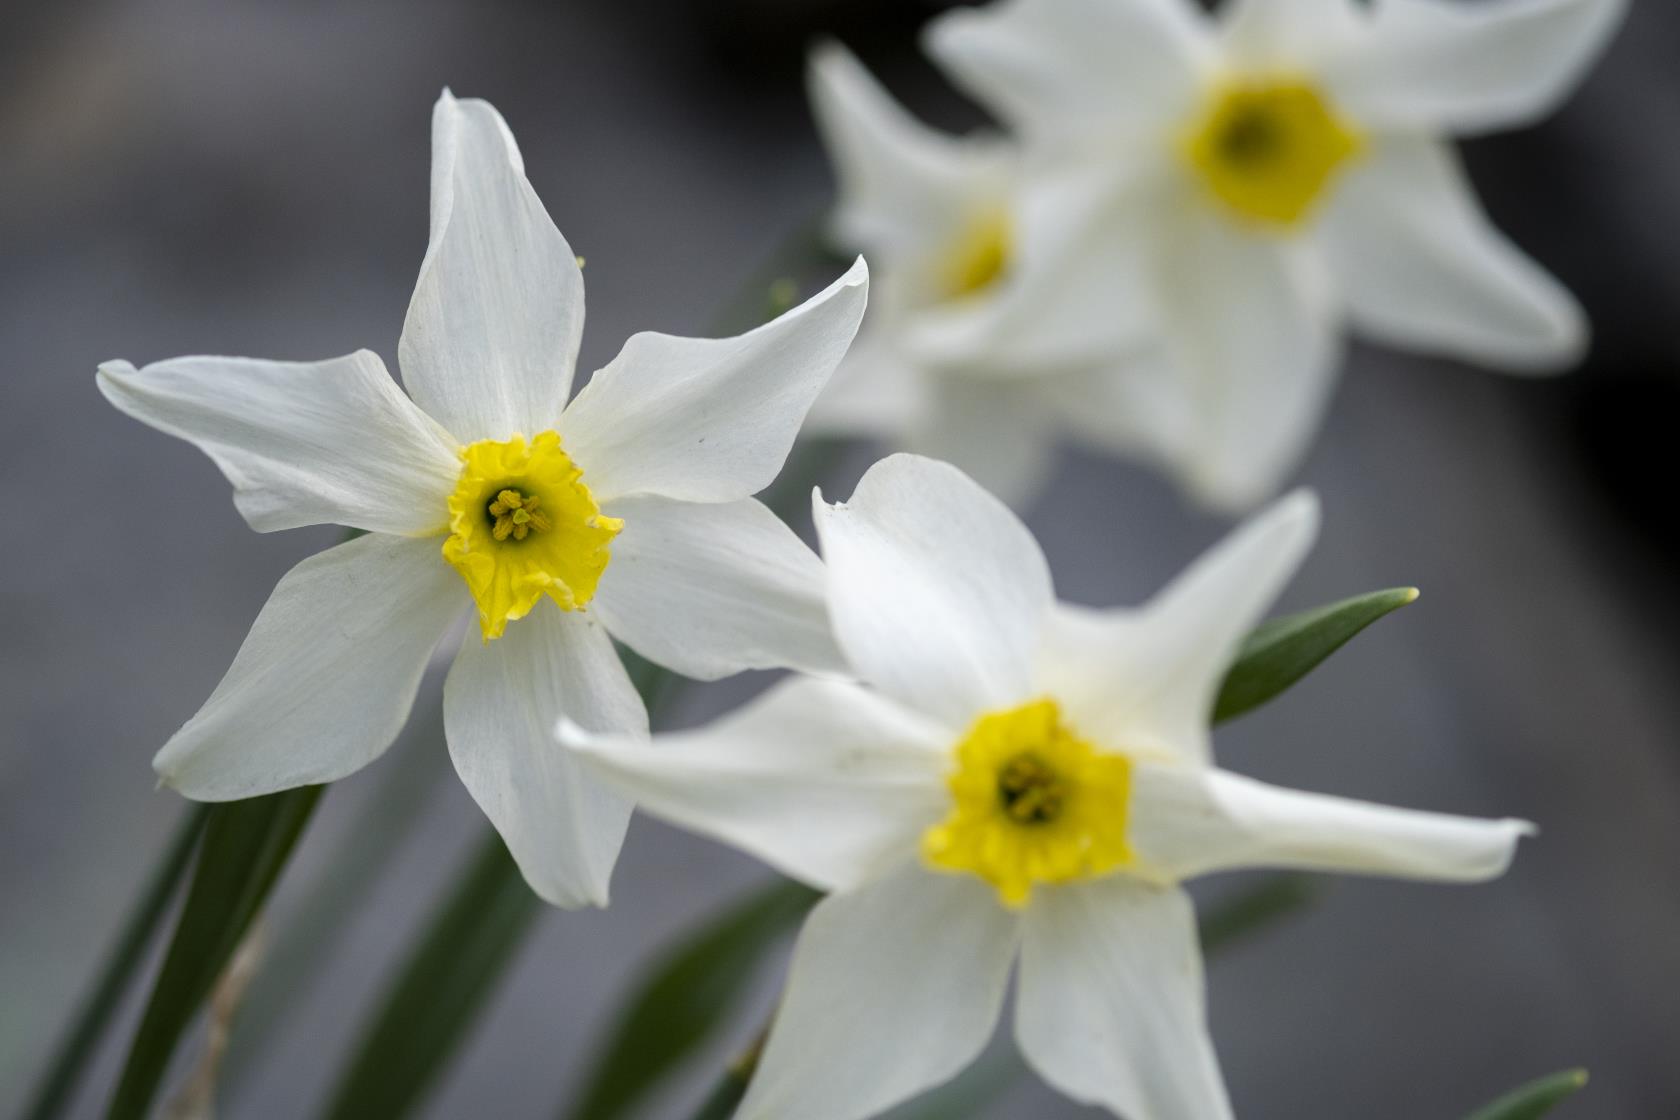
{"x": 1283, "y": 174}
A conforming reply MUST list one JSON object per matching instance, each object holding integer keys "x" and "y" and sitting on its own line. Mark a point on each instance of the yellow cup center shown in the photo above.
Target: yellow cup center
{"x": 1032, "y": 802}
{"x": 1269, "y": 149}
{"x": 523, "y": 525}
{"x": 977, "y": 257}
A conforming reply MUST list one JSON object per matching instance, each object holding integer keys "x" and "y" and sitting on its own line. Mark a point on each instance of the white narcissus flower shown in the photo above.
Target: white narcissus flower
{"x": 1289, "y": 170}
{"x": 993, "y": 327}
{"x": 1016, "y": 777}
{"x": 626, "y": 514}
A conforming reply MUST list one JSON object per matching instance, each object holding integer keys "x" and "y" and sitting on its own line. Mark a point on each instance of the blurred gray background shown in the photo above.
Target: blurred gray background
{"x": 192, "y": 176}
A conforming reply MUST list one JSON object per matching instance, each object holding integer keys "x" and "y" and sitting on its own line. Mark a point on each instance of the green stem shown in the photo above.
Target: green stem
{"x": 440, "y": 989}
{"x": 53, "y": 1092}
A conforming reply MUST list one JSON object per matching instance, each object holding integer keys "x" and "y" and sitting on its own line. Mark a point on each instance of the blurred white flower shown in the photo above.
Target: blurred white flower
{"x": 1015, "y": 775}
{"x": 629, "y": 511}
{"x": 991, "y": 330}
{"x": 1279, "y": 174}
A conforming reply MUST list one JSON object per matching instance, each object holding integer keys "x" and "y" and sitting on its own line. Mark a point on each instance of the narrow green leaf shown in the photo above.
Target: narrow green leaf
{"x": 1536, "y": 1099}
{"x": 439, "y": 990}
{"x": 684, "y": 995}
{"x": 124, "y": 958}
{"x": 1283, "y": 650}
{"x": 244, "y": 848}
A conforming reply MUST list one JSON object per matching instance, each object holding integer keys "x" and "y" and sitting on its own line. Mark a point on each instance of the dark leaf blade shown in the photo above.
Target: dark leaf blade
{"x": 244, "y": 848}
{"x": 1283, "y": 650}
{"x": 684, "y": 995}
{"x": 1535, "y": 1099}
{"x": 439, "y": 990}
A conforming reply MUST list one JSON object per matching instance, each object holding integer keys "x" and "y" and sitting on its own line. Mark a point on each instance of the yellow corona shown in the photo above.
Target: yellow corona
{"x": 977, "y": 257}
{"x": 1032, "y": 802}
{"x": 1269, "y": 149}
{"x": 523, "y": 525}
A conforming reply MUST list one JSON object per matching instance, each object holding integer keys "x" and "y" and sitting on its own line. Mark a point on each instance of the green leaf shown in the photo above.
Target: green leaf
{"x": 1283, "y": 650}
{"x": 125, "y": 957}
{"x": 245, "y": 846}
{"x": 1536, "y": 1099}
{"x": 439, "y": 990}
{"x": 686, "y": 994}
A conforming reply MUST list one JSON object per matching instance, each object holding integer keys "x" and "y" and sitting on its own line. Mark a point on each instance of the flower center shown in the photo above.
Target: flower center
{"x": 1268, "y": 149}
{"x": 1032, "y": 802}
{"x": 977, "y": 257}
{"x": 523, "y": 525}
{"x": 516, "y": 515}
{"x": 1029, "y": 790}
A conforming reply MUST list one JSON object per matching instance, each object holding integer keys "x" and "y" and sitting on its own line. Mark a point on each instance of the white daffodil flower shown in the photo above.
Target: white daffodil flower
{"x": 992, "y": 330}
{"x": 626, "y": 514}
{"x": 1014, "y": 777}
{"x": 1281, "y": 173}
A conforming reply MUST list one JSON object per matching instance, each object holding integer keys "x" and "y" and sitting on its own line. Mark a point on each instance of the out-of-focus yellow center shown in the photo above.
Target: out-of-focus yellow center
{"x": 977, "y": 257}
{"x": 523, "y": 525}
{"x": 1268, "y": 149}
{"x": 1032, "y": 802}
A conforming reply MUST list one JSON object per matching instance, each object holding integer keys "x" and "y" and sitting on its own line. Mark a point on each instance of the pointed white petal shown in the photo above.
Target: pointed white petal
{"x": 492, "y": 333}
{"x": 1056, "y": 69}
{"x": 304, "y": 443}
{"x": 1421, "y": 267}
{"x": 1000, "y": 432}
{"x": 1111, "y": 1009}
{"x": 1146, "y": 679}
{"x": 936, "y": 591}
{"x": 711, "y": 420}
{"x": 1469, "y": 67}
{"x": 1288, "y": 35}
{"x": 902, "y": 185}
{"x": 326, "y": 677}
{"x": 1188, "y": 822}
{"x": 501, "y": 704}
{"x": 1252, "y": 339}
{"x": 824, "y": 780}
{"x": 894, "y": 988}
{"x": 712, "y": 588}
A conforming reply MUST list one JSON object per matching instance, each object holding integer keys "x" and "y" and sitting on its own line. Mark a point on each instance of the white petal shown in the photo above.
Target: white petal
{"x": 1421, "y": 267}
{"x": 936, "y": 591}
{"x": 1470, "y": 67}
{"x": 822, "y": 779}
{"x": 711, "y": 420}
{"x": 1111, "y": 1008}
{"x": 304, "y": 443}
{"x": 894, "y": 987}
{"x": 1189, "y": 822}
{"x": 902, "y": 185}
{"x": 1288, "y": 35}
{"x": 327, "y": 675}
{"x": 1076, "y": 289}
{"x": 712, "y": 588}
{"x": 1146, "y": 679}
{"x": 1057, "y": 69}
{"x": 492, "y": 333}
{"x": 501, "y": 704}
{"x": 1251, "y": 338}
{"x": 1000, "y": 432}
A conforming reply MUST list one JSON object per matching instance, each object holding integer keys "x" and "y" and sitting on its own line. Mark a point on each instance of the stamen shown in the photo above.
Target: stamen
{"x": 1030, "y": 790}
{"x": 515, "y": 515}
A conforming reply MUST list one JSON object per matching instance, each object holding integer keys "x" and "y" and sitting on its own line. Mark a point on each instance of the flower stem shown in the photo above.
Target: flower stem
{"x": 721, "y": 1103}
{"x": 54, "y": 1090}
